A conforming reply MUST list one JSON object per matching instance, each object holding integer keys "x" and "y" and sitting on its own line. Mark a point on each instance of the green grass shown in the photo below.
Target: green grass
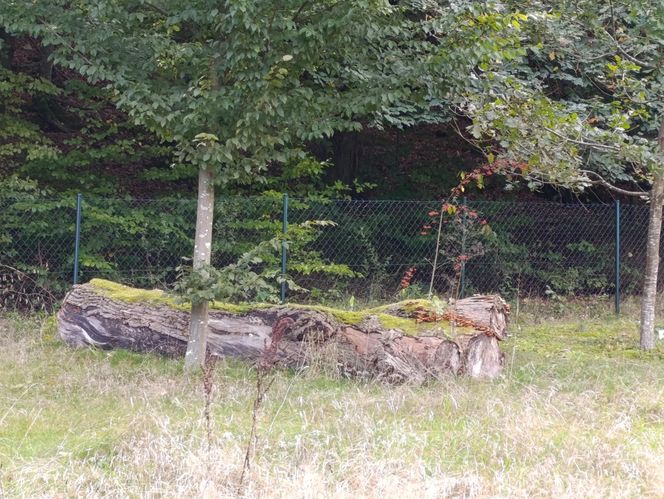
{"x": 579, "y": 412}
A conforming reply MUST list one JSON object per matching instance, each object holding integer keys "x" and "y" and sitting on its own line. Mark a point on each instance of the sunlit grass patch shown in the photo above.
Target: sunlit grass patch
{"x": 578, "y": 411}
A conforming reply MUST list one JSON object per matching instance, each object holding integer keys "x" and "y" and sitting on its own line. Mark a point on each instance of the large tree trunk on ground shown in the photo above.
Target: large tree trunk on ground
{"x": 198, "y": 325}
{"x": 652, "y": 255}
{"x": 367, "y": 349}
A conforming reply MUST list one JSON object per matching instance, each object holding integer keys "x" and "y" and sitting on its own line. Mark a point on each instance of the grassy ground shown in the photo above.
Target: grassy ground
{"x": 579, "y": 412}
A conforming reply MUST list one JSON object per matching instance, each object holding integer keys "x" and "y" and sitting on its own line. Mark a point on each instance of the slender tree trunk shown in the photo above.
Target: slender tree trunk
{"x": 198, "y": 326}
{"x": 652, "y": 255}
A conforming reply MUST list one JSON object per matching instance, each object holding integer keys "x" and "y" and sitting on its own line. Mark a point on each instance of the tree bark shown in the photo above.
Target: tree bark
{"x": 198, "y": 326}
{"x": 649, "y": 296}
{"x": 345, "y": 155}
{"x": 89, "y": 317}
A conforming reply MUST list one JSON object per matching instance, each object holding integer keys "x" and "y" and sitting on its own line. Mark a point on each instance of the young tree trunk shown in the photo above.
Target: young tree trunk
{"x": 652, "y": 255}
{"x": 198, "y": 325}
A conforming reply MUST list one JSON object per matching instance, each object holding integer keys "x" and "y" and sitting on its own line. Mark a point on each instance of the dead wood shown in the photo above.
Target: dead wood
{"x": 91, "y": 317}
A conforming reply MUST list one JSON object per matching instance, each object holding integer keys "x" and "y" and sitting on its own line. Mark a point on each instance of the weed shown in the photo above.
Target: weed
{"x": 264, "y": 380}
{"x": 208, "y": 385}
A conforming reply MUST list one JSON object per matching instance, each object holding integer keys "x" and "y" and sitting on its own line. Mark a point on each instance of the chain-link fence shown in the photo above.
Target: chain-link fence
{"x": 364, "y": 251}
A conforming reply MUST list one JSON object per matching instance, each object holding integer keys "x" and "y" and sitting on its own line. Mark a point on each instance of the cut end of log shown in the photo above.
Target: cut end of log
{"x": 483, "y": 358}
{"x": 292, "y": 335}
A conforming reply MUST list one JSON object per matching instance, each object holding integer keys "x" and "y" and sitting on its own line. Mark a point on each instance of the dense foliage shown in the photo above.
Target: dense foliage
{"x": 322, "y": 100}
{"x": 584, "y": 105}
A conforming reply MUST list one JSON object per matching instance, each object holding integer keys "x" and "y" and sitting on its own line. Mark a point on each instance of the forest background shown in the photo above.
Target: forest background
{"x": 570, "y": 100}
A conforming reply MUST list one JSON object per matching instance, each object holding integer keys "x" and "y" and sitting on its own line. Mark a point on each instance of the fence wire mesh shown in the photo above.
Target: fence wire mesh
{"x": 365, "y": 251}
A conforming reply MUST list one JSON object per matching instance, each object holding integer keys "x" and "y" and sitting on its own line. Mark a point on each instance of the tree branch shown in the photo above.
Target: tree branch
{"x": 599, "y": 180}
{"x": 626, "y": 54}
{"x": 157, "y": 9}
{"x": 594, "y": 145}
{"x": 299, "y": 11}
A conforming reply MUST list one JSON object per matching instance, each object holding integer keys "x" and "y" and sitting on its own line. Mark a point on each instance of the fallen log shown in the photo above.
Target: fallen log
{"x": 391, "y": 343}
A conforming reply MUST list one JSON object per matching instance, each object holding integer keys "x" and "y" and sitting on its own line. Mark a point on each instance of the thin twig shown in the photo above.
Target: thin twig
{"x": 435, "y": 257}
{"x": 208, "y": 385}
{"x": 593, "y": 145}
{"x": 42, "y": 293}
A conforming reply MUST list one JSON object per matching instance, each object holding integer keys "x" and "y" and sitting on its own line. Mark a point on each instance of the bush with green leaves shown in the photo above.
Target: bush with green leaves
{"x": 256, "y": 275}
{"x": 36, "y": 245}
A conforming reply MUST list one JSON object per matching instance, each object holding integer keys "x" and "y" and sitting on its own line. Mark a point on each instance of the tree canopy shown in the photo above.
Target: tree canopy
{"x": 584, "y": 105}
{"x": 238, "y": 85}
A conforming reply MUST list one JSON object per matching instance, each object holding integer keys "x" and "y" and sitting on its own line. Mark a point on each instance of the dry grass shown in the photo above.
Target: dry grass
{"x": 579, "y": 412}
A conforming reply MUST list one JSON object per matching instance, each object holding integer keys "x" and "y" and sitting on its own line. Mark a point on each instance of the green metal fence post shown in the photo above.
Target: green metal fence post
{"x": 462, "y": 283}
{"x": 617, "y": 256}
{"x": 77, "y": 237}
{"x": 284, "y": 256}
